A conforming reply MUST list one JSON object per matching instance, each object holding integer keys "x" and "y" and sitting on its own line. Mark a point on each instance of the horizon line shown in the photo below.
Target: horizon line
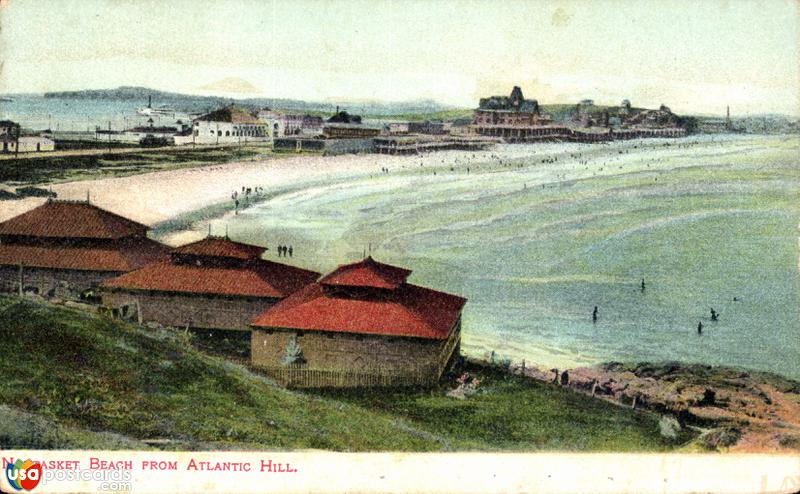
{"x": 331, "y": 101}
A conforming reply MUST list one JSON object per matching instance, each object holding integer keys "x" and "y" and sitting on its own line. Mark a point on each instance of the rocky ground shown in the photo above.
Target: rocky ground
{"x": 737, "y": 410}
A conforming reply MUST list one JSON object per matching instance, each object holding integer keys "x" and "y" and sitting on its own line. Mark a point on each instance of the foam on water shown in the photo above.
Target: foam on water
{"x": 535, "y": 248}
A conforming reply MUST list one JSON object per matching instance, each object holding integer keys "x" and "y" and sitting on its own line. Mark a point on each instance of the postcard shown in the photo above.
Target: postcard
{"x": 423, "y": 246}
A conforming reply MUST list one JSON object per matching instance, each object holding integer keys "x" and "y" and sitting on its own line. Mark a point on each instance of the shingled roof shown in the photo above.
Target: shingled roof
{"x": 221, "y": 247}
{"x": 223, "y": 267}
{"x": 71, "y": 219}
{"x": 399, "y": 309}
{"x": 367, "y": 273}
{"x": 515, "y": 102}
{"x": 258, "y": 278}
{"x": 229, "y": 114}
{"x": 411, "y": 311}
{"x": 125, "y": 256}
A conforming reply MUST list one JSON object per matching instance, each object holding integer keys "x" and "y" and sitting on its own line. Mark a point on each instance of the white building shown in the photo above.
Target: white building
{"x": 283, "y": 124}
{"x": 26, "y": 144}
{"x": 227, "y": 125}
{"x": 275, "y": 122}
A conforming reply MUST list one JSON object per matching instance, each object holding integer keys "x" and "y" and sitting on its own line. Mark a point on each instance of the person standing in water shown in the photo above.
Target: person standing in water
{"x": 594, "y": 314}
{"x": 714, "y": 314}
{"x": 700, "y": 327}
{"x": 643, "y": 285}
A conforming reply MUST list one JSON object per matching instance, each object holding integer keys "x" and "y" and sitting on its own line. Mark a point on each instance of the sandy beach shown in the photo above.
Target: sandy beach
{"x": 155, "y": 197}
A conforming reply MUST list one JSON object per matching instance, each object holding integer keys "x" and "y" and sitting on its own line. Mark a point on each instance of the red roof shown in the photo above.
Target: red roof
{"x": 221, "y": 247}
{"x": 258, "y": 278}
{"x": 367, "y": 273}
{"x": 71, "y": 220}
{"x": 229, "y": 114}
{"x": 409, "y": 310}
{"x": 124, "y": 256}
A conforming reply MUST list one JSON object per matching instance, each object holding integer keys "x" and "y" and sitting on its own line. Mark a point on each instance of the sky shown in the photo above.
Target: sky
{"x": 694, "y": 56}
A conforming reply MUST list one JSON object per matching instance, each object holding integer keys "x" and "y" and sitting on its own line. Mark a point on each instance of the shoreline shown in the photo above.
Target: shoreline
{"x": 159, "y": 196}
{"x": 178, "y": 220}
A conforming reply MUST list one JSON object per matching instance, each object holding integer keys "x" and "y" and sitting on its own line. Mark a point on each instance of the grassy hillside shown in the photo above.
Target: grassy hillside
{"x": 514, "y": 413}
{"x": 74, "y": 380}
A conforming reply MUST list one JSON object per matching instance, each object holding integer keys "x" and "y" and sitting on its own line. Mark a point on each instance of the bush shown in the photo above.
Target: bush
{"x": 151, "y": 141}
{"x": 34, "y": 192}
{"x": 791, "y": 441}
{"x": 23, "y": 430}
{"x": 722, "y": 438}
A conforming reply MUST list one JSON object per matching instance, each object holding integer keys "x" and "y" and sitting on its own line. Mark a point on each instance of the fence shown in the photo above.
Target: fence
{"x": 295, "y": 376}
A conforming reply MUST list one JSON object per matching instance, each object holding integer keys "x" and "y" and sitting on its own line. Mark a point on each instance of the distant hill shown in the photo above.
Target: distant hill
{"x": 197, "y": 103}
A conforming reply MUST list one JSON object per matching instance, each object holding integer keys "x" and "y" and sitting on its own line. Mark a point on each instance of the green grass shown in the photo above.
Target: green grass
{"x": 84, "y": 372}
{"x": 69, "y": 168}
{"x": 76, "y": 380}
{"x": 514, "y": 413}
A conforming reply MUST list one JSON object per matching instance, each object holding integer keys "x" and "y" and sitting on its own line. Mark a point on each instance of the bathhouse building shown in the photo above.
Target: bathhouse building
{"x": 63, "y": 248}
{"x": 228, "y": 125}
{"x": 214, "y": 283}
{"x": 361, "y": 325}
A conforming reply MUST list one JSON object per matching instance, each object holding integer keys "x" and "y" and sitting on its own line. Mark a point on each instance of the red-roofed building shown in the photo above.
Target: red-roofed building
{"x": 214, "y": 283}
{"x": 361, "y": 325}
{"x": 63, "y": 248}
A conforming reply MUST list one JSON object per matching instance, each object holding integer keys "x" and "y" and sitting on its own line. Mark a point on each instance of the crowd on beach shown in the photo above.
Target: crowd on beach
{"x": 245, "y": 196}
{"x": 586, "y": 157}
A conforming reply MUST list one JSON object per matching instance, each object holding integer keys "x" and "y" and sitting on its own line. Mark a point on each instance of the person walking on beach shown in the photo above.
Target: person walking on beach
{"x": 280, "y": 250}
{"x": 594, "y": 314}
{"x": 290, "y": 251}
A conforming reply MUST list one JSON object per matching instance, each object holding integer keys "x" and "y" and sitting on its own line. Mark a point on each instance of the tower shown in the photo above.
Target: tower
{"x": 728, "y": 117}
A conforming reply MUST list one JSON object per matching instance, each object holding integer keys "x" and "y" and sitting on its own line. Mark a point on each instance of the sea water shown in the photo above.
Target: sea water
{"x": 536, "y": 236}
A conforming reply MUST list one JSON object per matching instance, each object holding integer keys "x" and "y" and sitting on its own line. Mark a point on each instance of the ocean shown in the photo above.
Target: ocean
{"x": 536, "y": 236}
{"x": 35, "y": 112}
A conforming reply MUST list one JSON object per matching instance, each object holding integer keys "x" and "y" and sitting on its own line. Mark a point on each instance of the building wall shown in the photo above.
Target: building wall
{"x": 28, "y": 145}
{"x": 349, "y": 132}
{"x": 196, "y": 311}
{"x": 61, "y": 283}
{"x": 421, "y": 360}
{"x": 205, "y": 132}
{"x": 344, "y": 146}
{"x": 495, "y": 117}
{"x": 327, "y": 146}
{"x": 286, "y": 125}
